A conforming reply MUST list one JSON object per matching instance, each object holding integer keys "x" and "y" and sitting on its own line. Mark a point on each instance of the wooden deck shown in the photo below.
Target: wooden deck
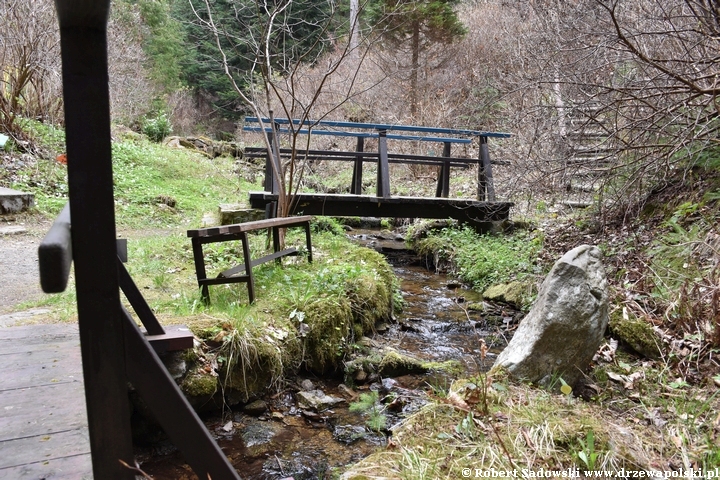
{"x": 43, "y": 420}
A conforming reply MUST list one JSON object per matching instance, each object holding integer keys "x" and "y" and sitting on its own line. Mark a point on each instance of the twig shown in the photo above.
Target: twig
{"x": 135, "y": 469}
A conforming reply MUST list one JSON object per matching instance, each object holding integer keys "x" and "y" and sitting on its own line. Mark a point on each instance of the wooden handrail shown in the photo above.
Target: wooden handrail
{"x": 55, "y": 254}
{"x": 381, "y": 126}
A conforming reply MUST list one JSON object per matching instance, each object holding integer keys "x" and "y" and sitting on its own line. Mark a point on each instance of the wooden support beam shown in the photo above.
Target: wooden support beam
{"x": 356, "y": 186}
{"x": 160, "y": 392}
{"x": 486, "y": 189}
{"x": 443, "y": 185}
{"x": 83, "y": 44}
{"x": 141, "y": 307}
{"x": 175, "y": 338}
{"x": 383, "y": 169}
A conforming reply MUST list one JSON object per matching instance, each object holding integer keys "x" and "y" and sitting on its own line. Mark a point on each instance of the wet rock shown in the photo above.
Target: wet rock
{"x": 257, "y": 435}
{"x": 348, "y": 433}
{"x": 256, "y": 408}
{"x": 316, "y": 400}
{"x": 564, "y": 328}
{"x": 388, "y": 384}
{"x": 347, "y": 391}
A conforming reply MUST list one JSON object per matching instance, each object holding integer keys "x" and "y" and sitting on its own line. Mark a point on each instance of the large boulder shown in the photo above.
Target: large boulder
{"x": 564, "y": 328}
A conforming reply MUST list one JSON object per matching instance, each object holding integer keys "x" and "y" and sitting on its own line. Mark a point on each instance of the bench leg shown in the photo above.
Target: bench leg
{"x": 308, "y": 242}
{"x": 248, "y": 267}
{"x": 200, "y": 269}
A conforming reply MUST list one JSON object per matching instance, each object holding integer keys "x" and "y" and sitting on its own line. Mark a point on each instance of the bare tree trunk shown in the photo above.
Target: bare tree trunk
{"x": 354, "y": 26}
{"x": 415, "y": 68}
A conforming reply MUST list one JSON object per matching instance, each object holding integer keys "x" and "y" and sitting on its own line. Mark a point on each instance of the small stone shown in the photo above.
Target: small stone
{"x": 277, "y": 416}
{"x": 348, "y": 434}
{"x": 256, "y": 408}
{"x": 316, "y": 400}
{"x": 307, "y": 385}
{"x": 382, "y": 327}
{"x": 388, "y": 384}
{"x": 347, "y": 391}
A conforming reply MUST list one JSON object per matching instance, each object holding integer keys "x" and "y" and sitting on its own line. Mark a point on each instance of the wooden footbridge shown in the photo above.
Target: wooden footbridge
{"x": 356, "y": 202}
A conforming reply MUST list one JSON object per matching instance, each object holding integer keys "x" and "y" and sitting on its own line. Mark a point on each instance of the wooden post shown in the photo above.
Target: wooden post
{"x": 83, "y": 43}
{"x": 486, "y": 190}
{"x": 248, "y": 266}
{"x": 271, "y": 183}
{"x": 356, "y": 187}
{"x": 383, "y": 169}
{"x": 443, "y": 185}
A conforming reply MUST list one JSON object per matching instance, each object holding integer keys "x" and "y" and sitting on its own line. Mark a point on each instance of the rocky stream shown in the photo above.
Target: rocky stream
{"x": 307, "y": 429}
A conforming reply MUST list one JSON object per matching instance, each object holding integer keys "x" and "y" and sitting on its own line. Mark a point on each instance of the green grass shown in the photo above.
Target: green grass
{"x": 155, "y": 186}
{"x": 483, "y": 260}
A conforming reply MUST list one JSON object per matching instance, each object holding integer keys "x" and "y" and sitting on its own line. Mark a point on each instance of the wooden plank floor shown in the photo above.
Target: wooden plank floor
{"x": 43, "y": 422}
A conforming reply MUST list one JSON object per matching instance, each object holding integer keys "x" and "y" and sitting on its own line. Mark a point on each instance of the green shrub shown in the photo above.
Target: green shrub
{"x": 157, "y": 128}
{"x": 483, "y": 260}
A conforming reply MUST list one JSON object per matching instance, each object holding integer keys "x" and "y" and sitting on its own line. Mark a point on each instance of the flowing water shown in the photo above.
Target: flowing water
{"x": 441, "y": 321}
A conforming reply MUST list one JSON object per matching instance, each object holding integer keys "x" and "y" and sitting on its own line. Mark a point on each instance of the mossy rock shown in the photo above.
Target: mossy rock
{"x": 636, "y": 333}
{"x": 395, "y": 364}
{"x": 199, "y": 388}
{"x": 513, "y": 293}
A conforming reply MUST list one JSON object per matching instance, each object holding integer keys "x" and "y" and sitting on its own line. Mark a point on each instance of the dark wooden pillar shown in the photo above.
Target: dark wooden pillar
{"x": 443, "y": 185}
{"x": 383, "y": 169}
{"x": 83, "y": 44}
{"x": 271, "y": 183}
{"x": 356, "y": 187}
{"x": 486, "y": 189}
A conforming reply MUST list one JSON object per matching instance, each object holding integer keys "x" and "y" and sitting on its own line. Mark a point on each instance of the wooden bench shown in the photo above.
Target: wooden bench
{"x": 383, "y": 133}
{"x": 225, "y": 233}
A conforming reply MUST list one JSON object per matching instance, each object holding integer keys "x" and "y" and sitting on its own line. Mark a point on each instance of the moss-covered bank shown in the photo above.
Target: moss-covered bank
{"x": 307, "y": 315}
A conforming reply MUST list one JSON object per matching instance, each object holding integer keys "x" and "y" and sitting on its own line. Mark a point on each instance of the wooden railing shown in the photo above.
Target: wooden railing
{"x": 144, "y": 369}
{"x": 382, "y": 132}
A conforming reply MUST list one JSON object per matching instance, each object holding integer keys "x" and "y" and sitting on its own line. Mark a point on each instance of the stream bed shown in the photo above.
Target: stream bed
{"x": 441, "y": 321}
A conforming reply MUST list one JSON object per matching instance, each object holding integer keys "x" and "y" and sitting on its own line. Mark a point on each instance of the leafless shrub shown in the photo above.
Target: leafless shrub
{"x": 29, "y": 63}
{"x": 131, "y": 90}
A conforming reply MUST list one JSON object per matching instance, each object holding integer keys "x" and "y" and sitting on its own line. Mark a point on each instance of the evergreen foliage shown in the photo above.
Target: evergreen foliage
{"x": 165, "y": 44}
{"x": 298, "y": 31}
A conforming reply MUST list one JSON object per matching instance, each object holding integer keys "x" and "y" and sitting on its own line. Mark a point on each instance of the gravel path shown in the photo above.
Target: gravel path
{"x": 19, "y": 277}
